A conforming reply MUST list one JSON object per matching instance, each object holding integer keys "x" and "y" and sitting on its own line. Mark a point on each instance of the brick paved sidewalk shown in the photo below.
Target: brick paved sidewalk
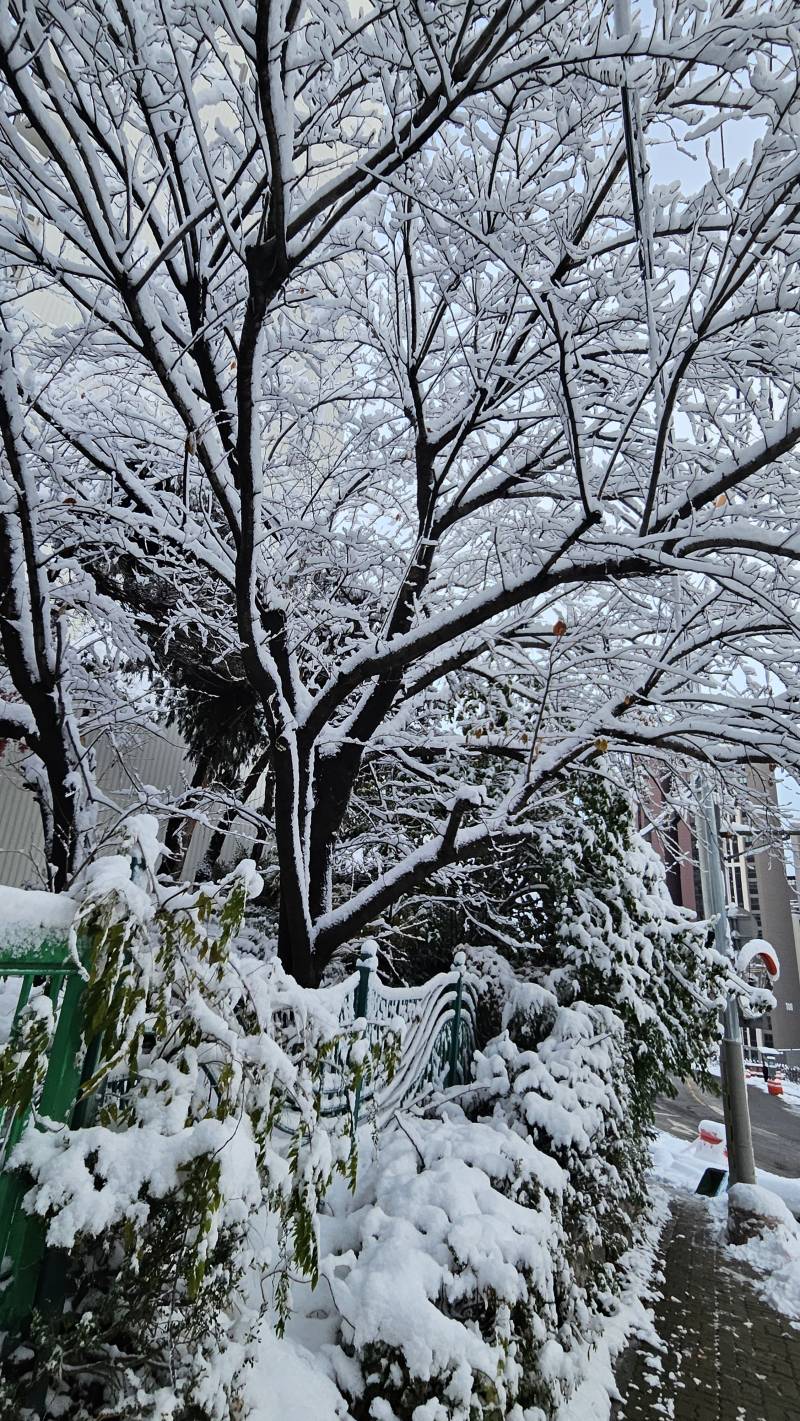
{"x": 727, "y": 1356}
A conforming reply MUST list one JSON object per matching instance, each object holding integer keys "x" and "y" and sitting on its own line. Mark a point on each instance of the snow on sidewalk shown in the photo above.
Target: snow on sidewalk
{"x": 707, "y": 1299}
{"x": 720, "y": 1351}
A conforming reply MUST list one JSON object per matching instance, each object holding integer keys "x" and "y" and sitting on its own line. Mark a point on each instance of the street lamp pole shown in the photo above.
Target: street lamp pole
{"x": 741, "y": 1164}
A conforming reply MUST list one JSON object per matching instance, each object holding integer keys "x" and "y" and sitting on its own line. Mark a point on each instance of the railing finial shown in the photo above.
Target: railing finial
{"x": 367, "y": 964}
{"x": 459, "y": 963}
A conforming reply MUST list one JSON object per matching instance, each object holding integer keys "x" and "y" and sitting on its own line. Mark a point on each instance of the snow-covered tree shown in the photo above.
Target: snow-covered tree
{"x": 381, "y": 359}
{"x": 43, "y": 675}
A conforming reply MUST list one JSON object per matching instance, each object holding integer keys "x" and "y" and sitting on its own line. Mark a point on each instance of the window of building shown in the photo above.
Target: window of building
{"x": 752, "y": 886}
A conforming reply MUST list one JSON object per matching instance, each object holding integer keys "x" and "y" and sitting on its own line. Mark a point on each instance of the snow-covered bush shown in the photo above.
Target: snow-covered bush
{"x": 179, "y": 1189}
{"x": 611, "y": 931}
{"x": 450, "y": 1246}
{"x": 484, "y": 1247}
{"x": 479, "y": 1255}
{"x": 564, "y": 1075}
{"x": 591, "y": 918}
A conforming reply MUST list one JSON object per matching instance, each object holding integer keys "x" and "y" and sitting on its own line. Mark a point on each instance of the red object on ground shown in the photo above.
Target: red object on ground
{"x": 774, "y": 1087}
{"x": 711, "y": 1134}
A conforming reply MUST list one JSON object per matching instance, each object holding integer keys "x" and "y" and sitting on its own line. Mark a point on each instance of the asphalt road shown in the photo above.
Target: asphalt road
{"x": 775, "y": 1126}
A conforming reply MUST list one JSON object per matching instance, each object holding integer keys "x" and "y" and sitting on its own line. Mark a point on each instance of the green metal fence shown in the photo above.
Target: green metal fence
{"x": 45, "y": 970}
{"x": 437, "y": 1043}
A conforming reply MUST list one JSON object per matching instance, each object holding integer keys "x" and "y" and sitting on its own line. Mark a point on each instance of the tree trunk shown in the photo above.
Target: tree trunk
{"x": 294, "y": 946}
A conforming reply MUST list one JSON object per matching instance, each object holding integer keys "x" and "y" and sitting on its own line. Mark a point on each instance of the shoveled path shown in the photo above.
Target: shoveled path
{"x": 726, "y": 1355}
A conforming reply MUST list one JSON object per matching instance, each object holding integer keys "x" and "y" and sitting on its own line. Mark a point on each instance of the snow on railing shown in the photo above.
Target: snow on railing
{"x": 39, "y": 975}
{"x": 437, "y": 1023}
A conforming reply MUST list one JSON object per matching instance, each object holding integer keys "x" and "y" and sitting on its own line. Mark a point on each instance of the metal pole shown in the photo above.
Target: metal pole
{"x": 741, "y": 1164}
{"x": 367, "y": 964}
{"x": 459, "y": 962}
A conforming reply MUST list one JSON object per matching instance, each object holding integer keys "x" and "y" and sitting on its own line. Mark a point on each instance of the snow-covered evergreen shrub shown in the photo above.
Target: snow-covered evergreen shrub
{"x": 178, "y": 1191}
{"x": 586, "y": 912}
{"x": 450, "y": 1244}
{"x": 610, "y": 931}
{"x": 564, "y": 1076}
{"x": 481, "y": 1249}
{"x": 485, "y": 1246}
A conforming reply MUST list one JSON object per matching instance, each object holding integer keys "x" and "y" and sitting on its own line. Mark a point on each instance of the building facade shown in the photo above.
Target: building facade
{"x": 761, "y": 891}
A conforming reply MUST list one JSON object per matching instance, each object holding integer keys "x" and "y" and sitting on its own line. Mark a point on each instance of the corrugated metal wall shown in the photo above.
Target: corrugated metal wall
{"x": 21, "y": 843}
{"x": 156, "y": 765}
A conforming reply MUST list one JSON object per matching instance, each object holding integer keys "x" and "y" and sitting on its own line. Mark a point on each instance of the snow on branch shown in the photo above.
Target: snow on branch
{"x": 341, "y": 403}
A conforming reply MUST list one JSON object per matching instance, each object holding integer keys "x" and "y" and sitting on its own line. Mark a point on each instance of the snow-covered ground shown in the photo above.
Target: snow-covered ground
{"x": 774, "y": 1257}
{"x": 288, "y": 1384}
{"x": 679, "y": 1164}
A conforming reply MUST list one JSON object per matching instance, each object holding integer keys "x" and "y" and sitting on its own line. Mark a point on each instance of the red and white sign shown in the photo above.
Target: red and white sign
{"x": 758, "y": 947}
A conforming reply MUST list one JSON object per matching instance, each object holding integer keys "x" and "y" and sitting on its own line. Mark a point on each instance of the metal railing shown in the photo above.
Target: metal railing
{"x": 436, "y": 1045}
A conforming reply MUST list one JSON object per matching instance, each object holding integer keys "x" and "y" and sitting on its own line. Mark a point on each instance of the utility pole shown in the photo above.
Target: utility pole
{"x": 741, "y": 1164}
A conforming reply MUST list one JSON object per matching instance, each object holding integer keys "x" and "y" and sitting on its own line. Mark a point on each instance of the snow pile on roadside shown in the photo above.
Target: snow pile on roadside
{"x": 773, "y": 1254}
{"x": 680, "y": 1164}
{"x": 755, "y": 1081}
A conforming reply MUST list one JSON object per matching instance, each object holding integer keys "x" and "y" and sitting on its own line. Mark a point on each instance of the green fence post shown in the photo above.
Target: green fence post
{"x": 367, "y": 964}
{"x": 22, "y": 1235}
{"x": 459, "y": 962}
{"x": 25, "y": 1233}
